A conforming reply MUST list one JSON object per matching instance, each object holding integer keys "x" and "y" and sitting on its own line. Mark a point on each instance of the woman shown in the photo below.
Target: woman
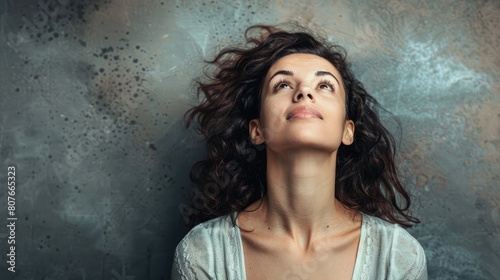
{"x": 299, "y": 181}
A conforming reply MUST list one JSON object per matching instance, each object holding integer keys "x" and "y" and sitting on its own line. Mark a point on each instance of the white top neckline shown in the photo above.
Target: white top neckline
{"x": 356, "y": 262}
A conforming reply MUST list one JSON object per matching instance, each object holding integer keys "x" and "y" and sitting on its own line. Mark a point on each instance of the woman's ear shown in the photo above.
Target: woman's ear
{"x": 348, "y": 137}
{"x": 255, "y": 131}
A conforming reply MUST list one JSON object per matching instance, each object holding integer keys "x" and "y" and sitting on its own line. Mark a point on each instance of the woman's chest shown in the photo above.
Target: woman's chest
{"x": 279, "y": 261}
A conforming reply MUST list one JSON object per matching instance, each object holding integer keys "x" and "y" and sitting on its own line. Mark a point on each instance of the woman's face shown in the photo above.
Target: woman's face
{"x": 302, "y": 106}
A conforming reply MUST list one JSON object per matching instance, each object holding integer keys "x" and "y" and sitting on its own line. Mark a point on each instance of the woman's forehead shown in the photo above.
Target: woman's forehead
{"x": 302, "y": 62}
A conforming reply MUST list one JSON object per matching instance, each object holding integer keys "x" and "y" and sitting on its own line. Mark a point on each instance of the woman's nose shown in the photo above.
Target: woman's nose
{"x": 304, "y": 92}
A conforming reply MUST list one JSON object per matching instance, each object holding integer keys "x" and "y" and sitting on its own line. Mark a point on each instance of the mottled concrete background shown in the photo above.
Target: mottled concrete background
{"x": 93, "y": 93}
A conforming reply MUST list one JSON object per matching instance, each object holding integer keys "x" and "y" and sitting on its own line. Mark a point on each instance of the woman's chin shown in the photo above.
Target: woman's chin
{"x": 313, "y": 144}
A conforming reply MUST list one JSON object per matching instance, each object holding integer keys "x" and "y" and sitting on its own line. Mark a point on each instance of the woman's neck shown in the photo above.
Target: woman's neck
{"x": 300, "y": 201}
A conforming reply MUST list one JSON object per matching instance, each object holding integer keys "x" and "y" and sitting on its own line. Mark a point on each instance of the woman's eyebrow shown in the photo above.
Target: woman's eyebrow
{"x": 290, "y": 73}
{"x": 326, "y": 73}
{"x": 281, "y": 72}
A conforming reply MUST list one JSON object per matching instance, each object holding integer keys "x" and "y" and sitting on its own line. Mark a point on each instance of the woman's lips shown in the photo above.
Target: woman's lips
{"x": 304, "y": 112}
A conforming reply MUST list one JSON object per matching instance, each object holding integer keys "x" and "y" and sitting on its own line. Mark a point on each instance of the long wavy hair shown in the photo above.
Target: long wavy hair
{"x": 233, "y": 174}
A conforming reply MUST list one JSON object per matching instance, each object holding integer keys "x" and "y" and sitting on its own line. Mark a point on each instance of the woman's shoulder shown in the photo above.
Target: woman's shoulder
{"x": 208, "y": 234}
{"x": 202, "y": 252}
{"x": 213, "y": 226}
{"x": 386, "y": 232}
{"x": 397, "y": 250}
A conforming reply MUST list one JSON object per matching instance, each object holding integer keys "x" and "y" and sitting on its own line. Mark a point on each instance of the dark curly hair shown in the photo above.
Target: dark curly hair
{"x": 233, "y": 174}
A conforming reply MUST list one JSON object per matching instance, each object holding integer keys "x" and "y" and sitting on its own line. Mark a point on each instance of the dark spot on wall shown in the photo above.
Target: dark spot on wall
{"x": 106, "y": 50}
{"x": 80, "y": 12}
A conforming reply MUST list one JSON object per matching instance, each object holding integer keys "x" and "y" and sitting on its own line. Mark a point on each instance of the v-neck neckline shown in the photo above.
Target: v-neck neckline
{"x": 357, "y": 263}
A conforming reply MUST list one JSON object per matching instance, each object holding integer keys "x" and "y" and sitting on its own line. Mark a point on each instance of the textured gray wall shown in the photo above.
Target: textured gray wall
{"x": 93, "y": 93}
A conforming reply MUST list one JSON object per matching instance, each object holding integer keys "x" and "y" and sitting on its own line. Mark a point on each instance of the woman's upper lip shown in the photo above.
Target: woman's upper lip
{"x": 304, "y": 110}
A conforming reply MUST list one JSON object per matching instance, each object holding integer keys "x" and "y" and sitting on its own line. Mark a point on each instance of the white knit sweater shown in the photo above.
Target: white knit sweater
{"x": 213, "y": 250}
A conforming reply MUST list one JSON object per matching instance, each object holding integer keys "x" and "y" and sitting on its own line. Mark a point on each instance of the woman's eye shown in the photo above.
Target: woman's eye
{"x": 326, "y": 86}
{"x": 281, "y": 85}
